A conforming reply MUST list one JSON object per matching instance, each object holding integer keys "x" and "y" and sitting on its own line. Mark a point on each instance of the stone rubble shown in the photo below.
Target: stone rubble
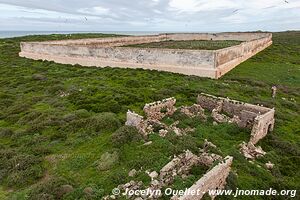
{"x": 179, "y": 166}
{"x": 260, "y": 119}
{"x": 269, "y": 165}
{"x": 194, "y": 111}
{"x": 208, "y": 144}
{"x": 132, "y": 173}
{"x": 250, "y": 151}
{"x": 274, "y": 91}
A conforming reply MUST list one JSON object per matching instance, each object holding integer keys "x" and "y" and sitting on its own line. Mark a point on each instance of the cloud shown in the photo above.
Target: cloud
{"x": 149, "y": 15}
{"x": 201, "y": 5}
{"x": 97, "y": 10}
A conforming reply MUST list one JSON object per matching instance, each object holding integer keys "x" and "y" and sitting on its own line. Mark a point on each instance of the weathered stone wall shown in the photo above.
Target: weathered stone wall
{"x": 260, "y": 119}
{"x": 157, "y": 110}
{"x": 262, "y": 124}
{"x": 103, "y": 52}
{"x": 230, "y": 106}
{"x": 213, "y": 180}
{"x": 133, "y": 119}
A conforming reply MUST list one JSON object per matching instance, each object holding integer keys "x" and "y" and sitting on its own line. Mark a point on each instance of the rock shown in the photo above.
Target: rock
{"x": 163, "y": 132}
{"x": 274, "y": 90}
{"x": 88, "y": 191}
{"x": 112, "y": 196}
{"x": 250, "y": 151}
{"x": 220, "y": 118}
{"x": 236, "y": 120}
{"x": 127, "y": 185}
{"x": 147, "y": 143}
{"x": 208, "y": 159}
{"x": 155, "y": 183}
{"x": 153, "y": 175}
{"x": 215, "y": 123}
{"x": 132, "y": 173}
{"x": 208, "y": 144}
{"x": 269, "y": 165}
{"x": 193, "y": 111}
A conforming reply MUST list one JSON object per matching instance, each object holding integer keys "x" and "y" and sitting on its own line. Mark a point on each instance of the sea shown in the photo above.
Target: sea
{"x": 11, "y": 34}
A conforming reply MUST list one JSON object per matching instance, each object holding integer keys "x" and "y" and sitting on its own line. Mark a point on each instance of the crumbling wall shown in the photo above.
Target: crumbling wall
{"x": 159, "y": 109}
{"x": 215, "y": 179}
{"x": 258, "y": 118}
{"x": 133, "y": 119}
{"x": 262, "y": 124}
{"x": 180, "y": 165}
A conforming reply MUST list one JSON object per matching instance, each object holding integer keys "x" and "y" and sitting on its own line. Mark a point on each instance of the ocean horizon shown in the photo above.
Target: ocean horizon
{"x": 12, "y": 34}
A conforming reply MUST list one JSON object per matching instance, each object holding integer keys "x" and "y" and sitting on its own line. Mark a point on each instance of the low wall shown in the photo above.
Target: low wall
{"x": 262, "y": 124}
{"x": 217, "y": 36}
{"x": 259, "y": 118}
{"x": 102, "y": 52}
{"x": 215, "y": 179}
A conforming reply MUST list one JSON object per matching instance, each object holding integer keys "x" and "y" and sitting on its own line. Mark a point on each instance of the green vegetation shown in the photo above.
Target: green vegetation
{"x": 61, "y": 124}
{"x": 189, "y": 44}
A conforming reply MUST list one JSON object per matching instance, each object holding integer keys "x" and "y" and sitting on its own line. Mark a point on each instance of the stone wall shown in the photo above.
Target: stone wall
{"x": 258, "y": 118}
{"x": 218, "y": 36}
{"x": 262, "y": 124}
{"x": 228, "y": 58}
{"x": 103, "y": 52}
{"x": 215, "y": 179}
{"x": 159, "y": 109}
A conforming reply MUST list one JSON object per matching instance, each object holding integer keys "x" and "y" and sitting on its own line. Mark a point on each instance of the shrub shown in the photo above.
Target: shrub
{"x": 50, "y": 189}
{"x": 6, "y": 132}
{"x": 107, "y": 161}
{"x": 125, "y": 135}
{"x": 20, "y": 169}
{"x": 96, "y": 124}
{"x": 231, "y": 181}
{"x": 39, "y": 77}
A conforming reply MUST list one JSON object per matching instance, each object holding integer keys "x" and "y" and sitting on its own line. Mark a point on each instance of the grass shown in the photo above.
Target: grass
{"x": 48, "y": 139}
{"x": 189, "y": 44}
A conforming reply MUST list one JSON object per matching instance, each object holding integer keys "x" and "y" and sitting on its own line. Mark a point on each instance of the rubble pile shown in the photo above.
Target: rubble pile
{"x": 179, "y": 166}
{"x": 250, "y": 151}
{"x": 194, "y": 111}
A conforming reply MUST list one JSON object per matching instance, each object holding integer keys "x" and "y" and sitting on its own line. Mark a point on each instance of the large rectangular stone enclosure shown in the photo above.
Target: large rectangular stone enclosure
{"x": 102, "y": 52}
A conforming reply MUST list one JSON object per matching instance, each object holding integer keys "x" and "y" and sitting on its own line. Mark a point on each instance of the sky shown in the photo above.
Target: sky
{"x": 150, "y": 15}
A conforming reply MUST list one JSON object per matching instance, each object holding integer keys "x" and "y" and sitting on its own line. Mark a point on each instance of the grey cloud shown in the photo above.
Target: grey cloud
{"x": 148, "y": 15}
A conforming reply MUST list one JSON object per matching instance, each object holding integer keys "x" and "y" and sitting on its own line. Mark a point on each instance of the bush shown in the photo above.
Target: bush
{"x": 20, "y": 169}
{"x": 51, "y": 189}
{"x": 96, "y": 124}
{"x": 125, "y": 135}
{"x": 5, "y": 132}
